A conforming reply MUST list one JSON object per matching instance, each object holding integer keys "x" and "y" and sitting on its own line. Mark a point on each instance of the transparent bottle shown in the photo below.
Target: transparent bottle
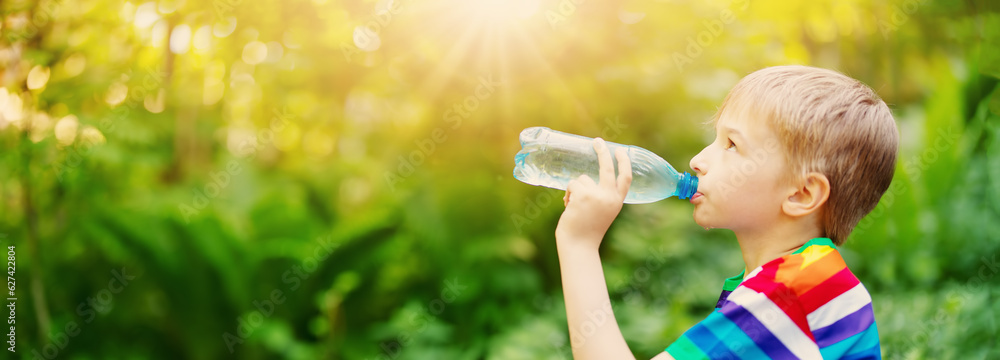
{"x": 552, "y": 158}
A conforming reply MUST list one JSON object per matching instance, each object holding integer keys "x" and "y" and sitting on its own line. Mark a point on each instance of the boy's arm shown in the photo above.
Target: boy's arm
{"x": 590, "y": 209}
{"x": 593, "y": 330}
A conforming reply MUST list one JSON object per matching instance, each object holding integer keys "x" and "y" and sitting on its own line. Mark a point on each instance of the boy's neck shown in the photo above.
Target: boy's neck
{"x": 761, "y": 247}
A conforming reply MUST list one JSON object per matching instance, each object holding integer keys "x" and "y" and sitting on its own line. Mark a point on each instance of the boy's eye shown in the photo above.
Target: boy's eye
{"x": 731, "y": 146}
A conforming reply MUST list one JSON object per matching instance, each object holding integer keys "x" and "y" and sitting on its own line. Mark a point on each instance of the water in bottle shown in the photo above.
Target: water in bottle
{"x": 552, "y": 158}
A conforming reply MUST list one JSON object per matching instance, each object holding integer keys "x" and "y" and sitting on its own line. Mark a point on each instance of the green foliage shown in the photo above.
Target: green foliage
{"x": 283, "y": 182}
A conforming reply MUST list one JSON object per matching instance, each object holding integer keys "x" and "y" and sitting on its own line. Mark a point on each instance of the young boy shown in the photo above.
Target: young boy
{"x": 801, "y": 154}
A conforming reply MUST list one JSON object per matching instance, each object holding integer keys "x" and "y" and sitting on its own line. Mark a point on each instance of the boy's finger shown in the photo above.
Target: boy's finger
{"x": 624, "y": 171}
{"x": 573, "y": 183}
{"x": 604, "y": 161}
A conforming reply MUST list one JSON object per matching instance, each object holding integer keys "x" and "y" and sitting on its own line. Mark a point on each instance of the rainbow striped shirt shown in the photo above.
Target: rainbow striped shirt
{"x": 806, "y": 305}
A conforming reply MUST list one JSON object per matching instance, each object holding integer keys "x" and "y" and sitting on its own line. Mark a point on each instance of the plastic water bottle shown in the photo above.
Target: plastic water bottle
{"x": 552, "y": 158}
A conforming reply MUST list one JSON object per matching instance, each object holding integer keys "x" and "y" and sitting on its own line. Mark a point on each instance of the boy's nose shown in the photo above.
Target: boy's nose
{"x": 697, "y": 164}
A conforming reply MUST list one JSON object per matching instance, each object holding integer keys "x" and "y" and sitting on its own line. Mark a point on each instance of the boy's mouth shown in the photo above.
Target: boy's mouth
{"x": 696, "y": 196}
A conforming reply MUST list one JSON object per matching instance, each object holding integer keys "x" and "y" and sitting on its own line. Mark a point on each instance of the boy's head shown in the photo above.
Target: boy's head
{"x": 799, "y": 142}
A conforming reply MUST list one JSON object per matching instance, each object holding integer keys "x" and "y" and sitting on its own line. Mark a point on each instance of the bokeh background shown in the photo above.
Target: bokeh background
{"x": 332, "y": 179}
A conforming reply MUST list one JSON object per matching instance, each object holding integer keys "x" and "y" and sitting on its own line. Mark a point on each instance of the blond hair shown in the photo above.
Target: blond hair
{"x": 831, "y": 124}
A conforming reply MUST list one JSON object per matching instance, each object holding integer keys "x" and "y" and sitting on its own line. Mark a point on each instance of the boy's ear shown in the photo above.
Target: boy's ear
{"x": 811, "y": 194}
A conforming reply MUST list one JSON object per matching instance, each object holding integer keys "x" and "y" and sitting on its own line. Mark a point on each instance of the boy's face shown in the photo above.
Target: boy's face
{"x": 741, "y": 175}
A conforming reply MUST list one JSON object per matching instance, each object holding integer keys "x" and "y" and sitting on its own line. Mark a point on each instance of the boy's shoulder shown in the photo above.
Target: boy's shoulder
{"x": 816, "y": 291}
{"x": 814, "y": 276}
{"x": 805, "y": 305}
{"x": 809, "y": 296}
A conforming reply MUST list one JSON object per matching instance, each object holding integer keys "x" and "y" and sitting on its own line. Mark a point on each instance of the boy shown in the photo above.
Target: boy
{"x": 801, "y": 154}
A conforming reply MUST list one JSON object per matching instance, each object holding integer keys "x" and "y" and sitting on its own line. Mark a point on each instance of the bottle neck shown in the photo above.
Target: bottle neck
{"x": 687, "y": 186}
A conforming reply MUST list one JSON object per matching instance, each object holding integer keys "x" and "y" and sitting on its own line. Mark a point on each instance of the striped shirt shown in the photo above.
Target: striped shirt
{"x": 806, "y": 305}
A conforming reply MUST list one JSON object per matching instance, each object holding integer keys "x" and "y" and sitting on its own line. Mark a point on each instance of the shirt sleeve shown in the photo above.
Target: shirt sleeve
{"x": 864, "y": 345}
{"x": 844, "y": 327}
{"x": 716, "y": 337}
{"x": 748, "y": 325}
{"x": 769, "y": 323}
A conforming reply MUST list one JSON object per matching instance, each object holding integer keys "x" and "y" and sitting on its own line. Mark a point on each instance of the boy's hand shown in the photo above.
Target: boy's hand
{"x": 590, "y": 206}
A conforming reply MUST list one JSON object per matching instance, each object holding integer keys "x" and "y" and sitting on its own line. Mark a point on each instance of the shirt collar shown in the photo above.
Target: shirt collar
{"x": 732, "y": 283}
